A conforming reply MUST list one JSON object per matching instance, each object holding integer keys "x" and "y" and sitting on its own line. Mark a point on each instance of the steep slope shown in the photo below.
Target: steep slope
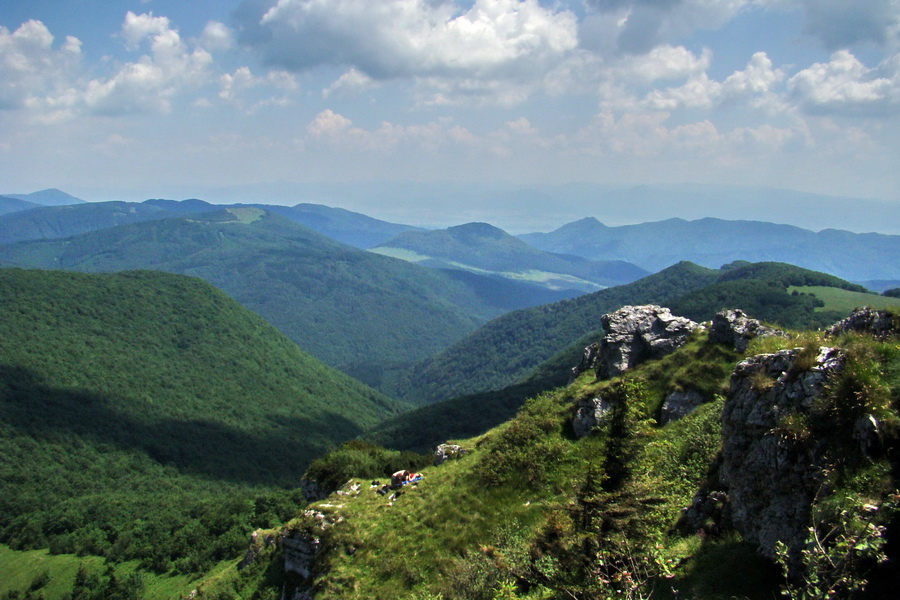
{"x": 506, "y": 349}
{"x": 481, "y": 247}
{"x": 154, "y": 395}
{"x": 714, "y": 242}
{"x": 531, "y": 511}
{"x": 354, "y": 310}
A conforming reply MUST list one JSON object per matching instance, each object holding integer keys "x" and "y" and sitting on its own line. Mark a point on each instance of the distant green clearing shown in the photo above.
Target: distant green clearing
{"x": 845, "y": 300}
{"x": 21, "y": 570}
{"x": 551, "y": 280}
{"x": 401, "y": 253}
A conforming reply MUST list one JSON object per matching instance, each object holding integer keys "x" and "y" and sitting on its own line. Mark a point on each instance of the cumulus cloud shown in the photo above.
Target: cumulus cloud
{"x": 31, "y": 69}
{"x": 491, "y": 40}
{"x": 351, "y": 82}
{"x": 216, "y": 36}
{"x": 235, "y": 88}
{"x": 844, "y": 85}
{"x": 150, "y": 83}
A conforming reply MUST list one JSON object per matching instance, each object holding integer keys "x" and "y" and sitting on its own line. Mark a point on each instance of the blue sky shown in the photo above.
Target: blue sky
{"x": 135, "y": 99}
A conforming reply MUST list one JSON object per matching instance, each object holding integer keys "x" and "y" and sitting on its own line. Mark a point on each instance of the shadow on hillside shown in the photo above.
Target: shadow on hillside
{"x": 206, "y": 448}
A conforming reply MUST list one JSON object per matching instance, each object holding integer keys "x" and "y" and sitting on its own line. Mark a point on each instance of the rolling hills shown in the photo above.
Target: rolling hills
{"x": 483, "y": 248}
{"x": 355, "y": 310}
{"x": 715, "y": 242}
{"x": 147, "y": 416}
{"x": 504, "y": 351}
{"x": 59, "y": 221}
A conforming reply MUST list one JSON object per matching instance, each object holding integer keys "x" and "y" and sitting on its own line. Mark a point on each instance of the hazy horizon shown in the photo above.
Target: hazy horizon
{"x": 151, "y": 96}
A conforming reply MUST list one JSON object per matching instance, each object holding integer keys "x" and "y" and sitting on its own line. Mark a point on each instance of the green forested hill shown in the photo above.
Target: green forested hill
{"x": 53, "y": 222}
{"x": 147, "y": 415}
{"x": 352, "y": 309}
{"x": 505, "y": 350}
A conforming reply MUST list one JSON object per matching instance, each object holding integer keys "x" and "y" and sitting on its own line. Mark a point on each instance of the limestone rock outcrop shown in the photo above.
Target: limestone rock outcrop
{"x": 679, "y": 404}
{"x": 880, "y": 323}
{"x": 589, "y": 358}
{"x": 735, "y": 328}
{"x": 446, "y": 452}
{"x": 770, "y": 478}
{"x": 635, "y": 334}
{"x": 589, "y": 413}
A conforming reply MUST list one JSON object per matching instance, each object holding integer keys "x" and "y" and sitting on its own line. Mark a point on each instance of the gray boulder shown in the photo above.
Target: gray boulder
{"x": 589, "y": 412}
{"x": 771, "y": 478}
{"x": 880, "y": 323}
{"x": 635, "y": 334}
{"x": 735, "y": 328}
{"x": 679, "y": 404}
{"x": 446, "y": 452}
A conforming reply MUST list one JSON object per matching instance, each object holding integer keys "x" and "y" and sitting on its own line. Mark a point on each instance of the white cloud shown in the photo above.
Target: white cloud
{"x": 844, "y": 85}
{"x": 150, "y": 83}
{"x": 351, "y": 82}
{"x": 453, "y": 50}
{"x": 216, "y": 36}
{"x": 136, "y": 28}
{"x": 31, "y": 69}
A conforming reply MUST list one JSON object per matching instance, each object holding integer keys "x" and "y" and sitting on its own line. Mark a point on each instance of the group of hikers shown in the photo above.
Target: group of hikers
{"x": 399, "y": 479}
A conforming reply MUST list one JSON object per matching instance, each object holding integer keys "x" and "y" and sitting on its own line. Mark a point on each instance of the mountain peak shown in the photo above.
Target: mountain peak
{"x": 477, "y": 230}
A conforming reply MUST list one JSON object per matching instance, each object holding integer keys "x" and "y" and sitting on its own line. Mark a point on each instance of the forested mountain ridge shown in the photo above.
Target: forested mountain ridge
{"x": 481, "y": 247}
{"x": 714, "y": 242}
{"x": 148, "y": 416}
{"x": 352, "y": 309}
{"x": 49, "y": 222}
{"x": 504, "y": 351}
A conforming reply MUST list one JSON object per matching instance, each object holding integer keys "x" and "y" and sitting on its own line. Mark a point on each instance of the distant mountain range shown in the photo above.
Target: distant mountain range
{"x": 714, "y": 242}
{"x": 48, "y": 197}
{"x": 35, "y": 222}
{"x": 483, "y": 248}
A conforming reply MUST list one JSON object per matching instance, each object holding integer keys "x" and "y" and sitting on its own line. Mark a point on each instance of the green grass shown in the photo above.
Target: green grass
{"x": 20, "y": 569}
{"x": 517, "y": 509}
{"x": 844, "y": 301}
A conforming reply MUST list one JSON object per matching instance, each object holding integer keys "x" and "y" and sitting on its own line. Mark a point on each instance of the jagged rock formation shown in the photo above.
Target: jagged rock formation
{"x": 880, "y": 323}
{"x": 772, "y": 480}
{"x": 301, "y": 541}
{"x": 446, "y": 452}
{"x": 735, "y": 328}
{"x": 589, "y": 359}
{"x": 635, "y": 334}
{"x": 679, "y": 404}
{"x": 588, "y": 413}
